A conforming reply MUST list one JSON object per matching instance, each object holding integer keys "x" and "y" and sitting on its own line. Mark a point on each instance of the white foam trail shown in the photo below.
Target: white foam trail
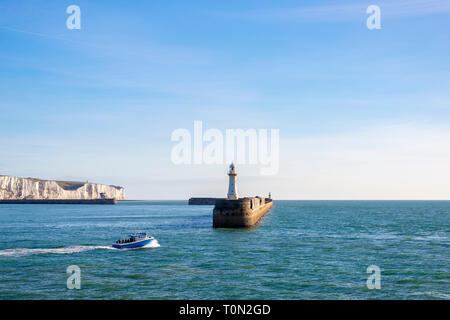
{"x": 21, "y": 252}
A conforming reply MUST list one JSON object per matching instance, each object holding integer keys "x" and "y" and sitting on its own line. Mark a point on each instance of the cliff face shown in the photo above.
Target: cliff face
{"x": 30, "y": 188}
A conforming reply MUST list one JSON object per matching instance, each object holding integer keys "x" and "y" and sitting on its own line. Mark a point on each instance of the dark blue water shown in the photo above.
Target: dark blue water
{"x": 300, "y": 250}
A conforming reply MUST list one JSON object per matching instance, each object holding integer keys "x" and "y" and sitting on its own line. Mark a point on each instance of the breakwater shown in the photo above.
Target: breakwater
{"x": 59, "y": 201}
{"x": 240, "y": 213}
{"x": 204, "y": 201}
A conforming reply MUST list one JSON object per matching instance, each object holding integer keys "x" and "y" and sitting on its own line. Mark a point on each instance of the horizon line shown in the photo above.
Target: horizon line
{"x": 296, "y": 199}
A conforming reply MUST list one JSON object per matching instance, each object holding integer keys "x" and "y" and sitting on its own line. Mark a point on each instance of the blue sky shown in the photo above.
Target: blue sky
{"x": 363, "y": 114}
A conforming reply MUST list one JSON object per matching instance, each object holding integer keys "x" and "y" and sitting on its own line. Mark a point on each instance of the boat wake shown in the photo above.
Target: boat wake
{"x": 22, "y": 252}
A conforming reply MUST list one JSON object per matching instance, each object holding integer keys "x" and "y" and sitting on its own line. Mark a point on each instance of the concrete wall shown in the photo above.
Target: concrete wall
{"x": 203, "y": 201}
{"x": 244, "y": 212}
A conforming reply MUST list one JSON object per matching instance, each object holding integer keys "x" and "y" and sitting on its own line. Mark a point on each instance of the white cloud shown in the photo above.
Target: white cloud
{"x": 388, "y": 162}
{"x": 405, "y": 161}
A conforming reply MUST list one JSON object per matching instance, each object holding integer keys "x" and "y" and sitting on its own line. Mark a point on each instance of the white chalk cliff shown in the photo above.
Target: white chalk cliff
{"x": 31, "y": 188}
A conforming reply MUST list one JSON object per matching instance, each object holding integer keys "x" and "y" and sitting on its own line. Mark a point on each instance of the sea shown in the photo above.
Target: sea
{"x": 299, "y": 250}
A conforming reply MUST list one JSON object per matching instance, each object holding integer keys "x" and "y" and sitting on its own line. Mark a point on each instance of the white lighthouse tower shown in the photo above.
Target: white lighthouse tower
{"x": 232, "y": 192}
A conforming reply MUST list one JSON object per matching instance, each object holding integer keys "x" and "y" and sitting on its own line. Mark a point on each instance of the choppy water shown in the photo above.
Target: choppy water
{"x": 300, "y": 250}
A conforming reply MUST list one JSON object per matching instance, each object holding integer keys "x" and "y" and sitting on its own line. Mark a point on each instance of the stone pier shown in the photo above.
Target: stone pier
{"x": 240, "y": 213}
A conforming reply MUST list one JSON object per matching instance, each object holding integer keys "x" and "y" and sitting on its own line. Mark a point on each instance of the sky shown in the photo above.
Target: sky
{"x": 361, "y": 114}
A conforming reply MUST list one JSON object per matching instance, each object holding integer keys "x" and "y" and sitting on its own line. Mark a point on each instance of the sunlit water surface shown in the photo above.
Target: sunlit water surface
{"x": 300, "y": 250}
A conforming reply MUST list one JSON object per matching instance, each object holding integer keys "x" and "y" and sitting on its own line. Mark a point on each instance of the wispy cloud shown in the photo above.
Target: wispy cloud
{"x": 396, "y": 161}
{"x": 344, "y": 11}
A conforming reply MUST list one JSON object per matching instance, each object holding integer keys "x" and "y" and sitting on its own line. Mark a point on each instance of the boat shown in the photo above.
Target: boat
{"x": 135, "y": 240}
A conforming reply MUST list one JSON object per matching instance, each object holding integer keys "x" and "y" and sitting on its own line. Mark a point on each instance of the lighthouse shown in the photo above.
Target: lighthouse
{"x": 232, "y": 192}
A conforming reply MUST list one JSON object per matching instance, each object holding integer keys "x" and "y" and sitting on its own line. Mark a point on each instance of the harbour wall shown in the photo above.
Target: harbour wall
{"x": 204, "y": 201}
{"x": 241, "y": 213}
